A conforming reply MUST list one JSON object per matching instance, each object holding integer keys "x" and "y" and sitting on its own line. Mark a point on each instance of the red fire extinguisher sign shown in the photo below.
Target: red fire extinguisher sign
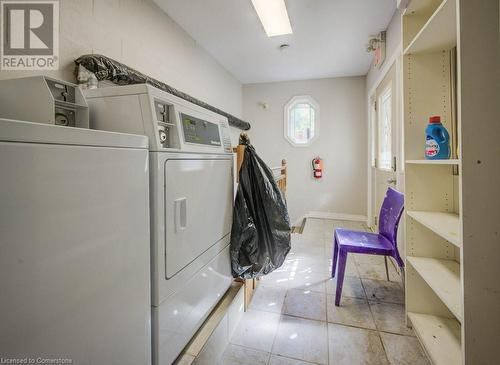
{"x": 317, "y": 165}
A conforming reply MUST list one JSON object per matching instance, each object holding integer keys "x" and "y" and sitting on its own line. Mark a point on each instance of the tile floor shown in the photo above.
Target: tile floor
{"x": 293, "y": 319}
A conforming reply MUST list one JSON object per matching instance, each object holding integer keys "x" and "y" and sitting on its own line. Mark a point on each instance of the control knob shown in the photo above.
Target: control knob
{"x": 163, "y": 137}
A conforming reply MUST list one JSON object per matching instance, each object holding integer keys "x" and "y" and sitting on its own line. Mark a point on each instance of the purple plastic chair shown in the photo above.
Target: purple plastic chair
{"x": 382, "y": 243}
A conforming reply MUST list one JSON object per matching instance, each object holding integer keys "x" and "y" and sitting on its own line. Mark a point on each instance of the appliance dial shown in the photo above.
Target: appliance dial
{"x": 61, "y": 119}
{"x": 163, "y": 137}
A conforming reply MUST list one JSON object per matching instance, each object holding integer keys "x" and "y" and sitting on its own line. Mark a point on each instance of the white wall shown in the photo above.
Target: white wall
{"x": 140, "y": 35}
{"x": 341, "y": 142}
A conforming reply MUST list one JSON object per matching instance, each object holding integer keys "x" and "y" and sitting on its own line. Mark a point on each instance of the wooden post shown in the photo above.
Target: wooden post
{"x": 240, "y": 154}
{"x": 283, "y": 173}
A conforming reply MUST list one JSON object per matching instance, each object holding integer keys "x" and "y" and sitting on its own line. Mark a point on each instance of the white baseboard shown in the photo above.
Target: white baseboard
{"x": 337, "y": 216}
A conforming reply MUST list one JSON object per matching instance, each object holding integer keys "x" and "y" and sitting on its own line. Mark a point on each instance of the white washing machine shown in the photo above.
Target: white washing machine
{"x": 74, "y": 246}
{"x": 191, "y": 184}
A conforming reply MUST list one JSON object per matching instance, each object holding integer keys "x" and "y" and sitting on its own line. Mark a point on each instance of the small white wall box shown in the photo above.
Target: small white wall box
{"x": 42, "y": 99}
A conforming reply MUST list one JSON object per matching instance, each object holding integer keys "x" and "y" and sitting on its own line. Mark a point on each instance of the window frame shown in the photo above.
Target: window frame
{"x": 389, "y": 166}
{"x": 300, "y": 99}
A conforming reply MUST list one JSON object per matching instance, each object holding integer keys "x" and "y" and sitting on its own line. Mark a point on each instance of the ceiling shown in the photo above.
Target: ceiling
{"x": 329, "y": 36}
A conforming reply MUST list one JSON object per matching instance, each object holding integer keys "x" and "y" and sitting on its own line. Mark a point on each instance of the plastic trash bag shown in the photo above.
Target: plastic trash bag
{"x": 105, "y": 68}
{"x": 260, "y": 236}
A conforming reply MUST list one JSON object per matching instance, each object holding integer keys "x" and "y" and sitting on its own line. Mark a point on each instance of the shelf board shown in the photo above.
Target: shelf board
{"x": 439, "y": 336}
{"x": 443, "y": 276}
{"x": 434, "y": 162}
{"x": 419, "y": 7}
{"x": 438, "y": 33}
{"x": 446, "y": 225}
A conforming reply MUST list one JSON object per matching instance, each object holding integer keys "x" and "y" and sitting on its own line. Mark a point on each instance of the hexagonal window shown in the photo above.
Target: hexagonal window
{"x": 301, "y": 120}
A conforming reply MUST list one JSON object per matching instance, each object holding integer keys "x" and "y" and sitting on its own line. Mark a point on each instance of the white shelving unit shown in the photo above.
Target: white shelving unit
{"x": 440, "y": 337}
{"x": 446, "y": 225}
{"x": 450, "y": 69}
{"x": 438, "y": 33}
{"x": 443, "y": 277}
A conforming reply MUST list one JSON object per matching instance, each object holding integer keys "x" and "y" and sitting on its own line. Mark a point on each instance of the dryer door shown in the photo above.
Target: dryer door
{"x": 198, "y": 208}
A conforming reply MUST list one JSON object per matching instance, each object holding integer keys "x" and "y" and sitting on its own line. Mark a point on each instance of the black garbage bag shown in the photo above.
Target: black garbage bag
{"x": 260, "y": 236}
{"x": 105, "y": 68}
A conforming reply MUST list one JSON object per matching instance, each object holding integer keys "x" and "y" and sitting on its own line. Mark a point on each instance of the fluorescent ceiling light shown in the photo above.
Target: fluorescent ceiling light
{"x": 273, "y": 16}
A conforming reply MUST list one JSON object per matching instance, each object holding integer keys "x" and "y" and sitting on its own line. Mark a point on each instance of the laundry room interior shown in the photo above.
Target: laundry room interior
{"x": 250, "y": 182}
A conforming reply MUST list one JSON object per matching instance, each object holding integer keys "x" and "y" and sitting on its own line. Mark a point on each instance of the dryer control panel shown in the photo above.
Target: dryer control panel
{"x": 200, "y": 131}
{"x": 171, "y": 123}
{"x": 186, "y": 127}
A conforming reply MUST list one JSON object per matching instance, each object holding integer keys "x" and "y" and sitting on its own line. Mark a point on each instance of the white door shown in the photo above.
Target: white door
{"x": 198, "y": 207}
{"x": 384, "y": 140}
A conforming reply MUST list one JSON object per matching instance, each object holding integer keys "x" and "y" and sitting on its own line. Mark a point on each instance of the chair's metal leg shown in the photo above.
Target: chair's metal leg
{"x": 386, "y": 268}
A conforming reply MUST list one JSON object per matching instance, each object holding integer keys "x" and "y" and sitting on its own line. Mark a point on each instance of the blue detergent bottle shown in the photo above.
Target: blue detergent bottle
{"x": 437, "y": 140}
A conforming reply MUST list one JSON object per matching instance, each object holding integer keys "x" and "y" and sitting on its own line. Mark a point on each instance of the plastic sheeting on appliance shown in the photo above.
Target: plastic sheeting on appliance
{"x": 105, "y": 68}
{"x": 260, "y": 235}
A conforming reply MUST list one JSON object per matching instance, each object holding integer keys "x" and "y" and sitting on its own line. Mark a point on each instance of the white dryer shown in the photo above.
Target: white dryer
{"x": 191, "y": 185}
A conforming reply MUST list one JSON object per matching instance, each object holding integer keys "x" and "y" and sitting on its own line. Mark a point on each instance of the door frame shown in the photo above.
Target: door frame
{"x": 396, "y": 59}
